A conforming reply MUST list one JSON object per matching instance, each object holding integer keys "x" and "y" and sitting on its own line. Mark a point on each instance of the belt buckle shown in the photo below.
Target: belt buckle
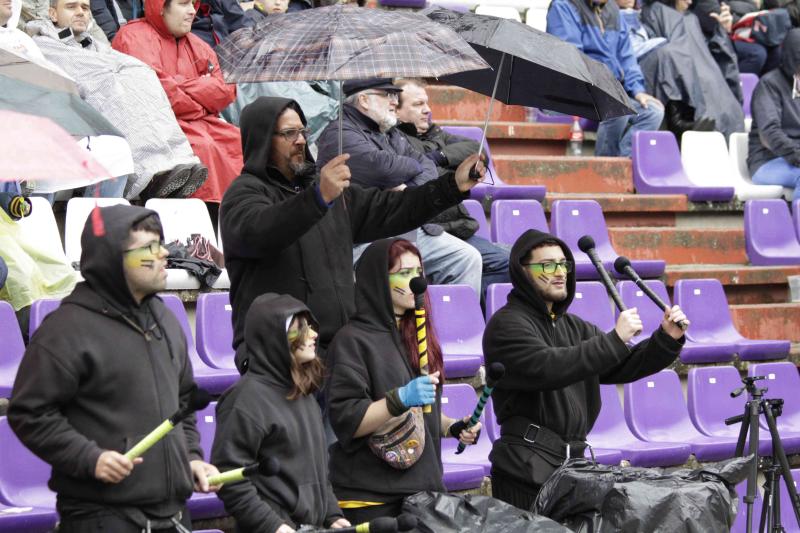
{"x": 525, "y": 435}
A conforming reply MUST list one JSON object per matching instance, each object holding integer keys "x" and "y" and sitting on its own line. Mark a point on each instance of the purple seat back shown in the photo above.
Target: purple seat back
{"x": 215, "y": 330}
{"x": 23, "y": 476}
{"x": 39, "y": 310}
{"x": 649, "y": 312}
{"x": 782, "y": 382}
{"x": 558, "y": 118}
{"x": 572, "y": 219}
{"x": 206, "y": 426}
{"x": 476, "y": 211}
{"x": 458, "y": 401}
{"x": 769, "y": 234}
{"x": 740, "y": 524}
{"x": 705, "y": 303}
{"x": 796, "y": 216}
{"x": 610, "y": 423}
{"x": 788, "y": 518}
{"x": 709, "y": 399}
{"x": 11, "y": 349}
{"x": 748, "y": 82}
{"x": 657, "y": 166}
{"x": 512, "y": 218}
{"x": 591, "y": 303}
{"x": 457, "y": 317}
{"x": 403, "y": 3}
{"x": 656, "y": 411}
{"x": 496, "y": 297}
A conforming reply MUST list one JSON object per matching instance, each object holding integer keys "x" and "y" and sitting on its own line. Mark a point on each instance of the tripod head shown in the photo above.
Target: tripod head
{"x": 750, "y": 387}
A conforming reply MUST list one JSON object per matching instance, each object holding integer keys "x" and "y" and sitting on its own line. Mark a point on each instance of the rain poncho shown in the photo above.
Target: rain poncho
{"x": 17, "y": 41}
{"x": 128, "y": 93}
{"x": 189, "y": 72}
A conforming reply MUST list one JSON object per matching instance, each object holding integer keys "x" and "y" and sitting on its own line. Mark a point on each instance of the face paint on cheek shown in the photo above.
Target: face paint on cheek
{"x": 544, "y": 278}
{"x": 140, "y": 258}
{"x": 399, "y": 284}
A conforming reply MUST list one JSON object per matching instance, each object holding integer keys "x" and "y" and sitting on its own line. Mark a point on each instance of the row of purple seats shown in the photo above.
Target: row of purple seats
{"x": 770, "y": 234}
{"x": 11, "y": 349}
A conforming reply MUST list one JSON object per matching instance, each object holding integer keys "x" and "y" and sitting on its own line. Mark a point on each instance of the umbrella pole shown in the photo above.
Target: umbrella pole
{"x": 491, "y": 102}
{"x": 341, "y": 108}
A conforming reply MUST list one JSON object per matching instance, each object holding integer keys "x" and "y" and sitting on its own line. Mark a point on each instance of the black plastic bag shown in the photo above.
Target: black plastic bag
{"x": 452, "y": 513}
{"x": 206, "y": 272}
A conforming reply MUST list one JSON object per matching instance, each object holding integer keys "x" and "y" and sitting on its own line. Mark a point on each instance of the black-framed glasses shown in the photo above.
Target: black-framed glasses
{"x": 292, "y": 134}
{"x": 153, "y": 247}
{"x": 549, "y": 267}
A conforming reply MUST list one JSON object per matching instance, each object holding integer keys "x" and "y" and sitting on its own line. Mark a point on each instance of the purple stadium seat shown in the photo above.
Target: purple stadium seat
{"x": 704, "y": 302}
{"x": 204, "y": 506}
{"x": 39, "y": 310}
{"x": 476, "y": 211}
{"x": 572, "y": 219}
{"x": 500, "y": 190}
{"x": 512, "y": 218}
{"x": 740, "y": 524}
{"x": 610, "y": 431}
{"x": 591, "y": 303}
{"x": 558, "y": 118}
{"x": 769, "y": 234}
{"x": 604, "y": 456}
{"x": 458, "y": 401}
{"x": 655, "y": 411}
{"x": 11, "y": 349}
{"x": 710, "y": 403}
{"x": 403, "y": 3}
{"x": 492, "y": 428}
{"x": 496, "y": 297}
{"x": 657, "y": 169}
{"x": 788, "y": 519}
{"x": 461, "y": 476}
{"x": 452, "y": 5}
{"x": 796, "y": 216}
{"x": 214, "y": 380}
{"x": 26, "y": 504}
{"x": 459, "y": 325}
{"x": 214, "y": 330}
{"x": 782, "y": 382}
{"x": 748, "y": 82}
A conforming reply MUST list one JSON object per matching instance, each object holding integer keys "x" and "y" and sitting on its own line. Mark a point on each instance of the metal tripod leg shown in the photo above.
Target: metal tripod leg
{"x": 750, "y": 425}
{"x": 779, "y": 453}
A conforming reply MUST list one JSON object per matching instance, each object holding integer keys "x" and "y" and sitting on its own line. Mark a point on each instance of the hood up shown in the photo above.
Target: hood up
{"x": 265, "y": 336}
{"x": 101, "y": 257}
{"x": 152, "y": 14}
{"x": 257, "y": 123}
{"x": 790, "y": 54}
{"x": 523, "y": 286}
{"x": 373, "y": 296}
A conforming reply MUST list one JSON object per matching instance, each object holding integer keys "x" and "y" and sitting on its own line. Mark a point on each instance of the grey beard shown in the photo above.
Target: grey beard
{"x": 306, "y": 168}
{"x": 386, "y": 123}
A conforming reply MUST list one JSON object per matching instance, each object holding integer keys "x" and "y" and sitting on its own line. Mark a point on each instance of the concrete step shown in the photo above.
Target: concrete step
{"x": 520, "y": 138}
{"x": 454, "y": 103}
{"x": 744, "y": 284}
{"x": 564, "y": 174}
{"x": 768, "y": 321}
{"x": 631, "y": 210}
{"x": 680, "y": 246}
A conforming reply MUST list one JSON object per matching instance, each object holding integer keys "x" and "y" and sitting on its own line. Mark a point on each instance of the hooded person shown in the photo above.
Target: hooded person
{"x": 191, "y": 77}
{"x": 290, "y": 230}
{"x": 377, "y": 392}
{"x": 272, "y": 413}
{"x": 549, "y": 398}
{"x": 104, "y": 369}
{"x": 774, "y": 147}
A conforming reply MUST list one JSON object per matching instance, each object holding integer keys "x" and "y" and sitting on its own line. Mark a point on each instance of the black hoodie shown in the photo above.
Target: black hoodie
{"x": 555, "y": 363}
{"x": 367, "y": 359}
{"x": 99, "y": 374}
{"x": 279, "y": 238}
{"x": 255, "y": 421}
{"x": 775, "y": 131}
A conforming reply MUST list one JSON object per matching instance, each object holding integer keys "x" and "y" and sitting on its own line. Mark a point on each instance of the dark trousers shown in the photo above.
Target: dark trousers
{"x": 514, "y": 492}
{"x": 109, "y": 522}
{"x": 365, "y": 514}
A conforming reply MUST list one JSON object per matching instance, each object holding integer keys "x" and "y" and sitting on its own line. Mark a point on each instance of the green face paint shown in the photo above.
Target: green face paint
{"x": 140, "y": 257}
{"x": 399, "y": 281}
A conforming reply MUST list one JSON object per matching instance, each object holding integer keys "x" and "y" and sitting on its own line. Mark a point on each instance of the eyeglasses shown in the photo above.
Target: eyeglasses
{"x": 392, "y": 96}
{"x": 292, "y": 134}
{"x": 549, "y": 267}
{"x": 154, "y": 248}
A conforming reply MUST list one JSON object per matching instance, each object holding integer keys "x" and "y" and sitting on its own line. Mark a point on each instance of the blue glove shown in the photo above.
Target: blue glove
{"x": 419, "y": 391}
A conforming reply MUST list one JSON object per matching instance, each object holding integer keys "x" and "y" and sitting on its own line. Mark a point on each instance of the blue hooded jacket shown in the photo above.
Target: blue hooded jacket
{"x": 602, "y": 35}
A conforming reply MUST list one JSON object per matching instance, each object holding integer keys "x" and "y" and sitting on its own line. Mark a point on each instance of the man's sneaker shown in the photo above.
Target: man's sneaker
{"x": 164, "y": 184}
{"x": 199, "y": 174}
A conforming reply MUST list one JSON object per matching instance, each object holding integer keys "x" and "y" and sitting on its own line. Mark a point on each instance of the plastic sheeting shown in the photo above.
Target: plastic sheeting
{"x": 602, "y": 499}
{"x": 452, "y": 513}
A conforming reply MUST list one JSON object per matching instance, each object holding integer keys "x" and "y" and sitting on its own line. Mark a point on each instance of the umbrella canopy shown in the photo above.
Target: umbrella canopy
{"x": 343, "y": 42}
{"x": 36, "y": 149}
{"x": 537, "y": 69}
{"x": 21, "y": 68}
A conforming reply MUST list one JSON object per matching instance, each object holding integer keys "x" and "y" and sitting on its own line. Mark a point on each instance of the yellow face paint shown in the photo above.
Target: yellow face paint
{"x": 142, "y": 257}
{"x": 399, "y": 281}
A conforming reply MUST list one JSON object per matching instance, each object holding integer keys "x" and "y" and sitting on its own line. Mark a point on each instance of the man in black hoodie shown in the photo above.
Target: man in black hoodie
{"x": 104, "y": 369}
{"x": 286, "y": 230}
{"x": 550, "y": 395}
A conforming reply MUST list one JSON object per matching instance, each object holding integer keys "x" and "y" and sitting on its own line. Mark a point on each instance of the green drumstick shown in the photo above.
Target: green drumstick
{"x": 198, "y": 399}
{"x": 267, "y": 467}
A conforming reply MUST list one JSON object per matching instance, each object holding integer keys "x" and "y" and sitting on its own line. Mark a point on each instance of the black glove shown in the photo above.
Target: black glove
{"x": 457, "y": 427}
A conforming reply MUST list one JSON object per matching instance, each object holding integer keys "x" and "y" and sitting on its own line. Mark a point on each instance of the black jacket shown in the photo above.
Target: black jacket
{"x": 216, "y": 19}
{"x": 100, "y": 373}
{"x": 775, "y": 131}
{"x": 255, "y": 421}
{"x": 279, "y": 238}
{"x": 367, "y": 359}
{"x": 105, "y": 15}
{"x": 555, "y": 363}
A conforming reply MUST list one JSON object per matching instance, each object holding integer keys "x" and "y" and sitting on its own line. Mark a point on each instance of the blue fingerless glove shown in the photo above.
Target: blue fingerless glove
{"x": 419, "y": 391}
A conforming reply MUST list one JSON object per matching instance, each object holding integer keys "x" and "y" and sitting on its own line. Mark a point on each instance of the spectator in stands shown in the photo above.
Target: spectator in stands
{"x": 381, "y": 156}
{"x": 108, "y": 15}
{"x": 376, "y": 392}
{"x": 103, "y": 370}
{"x": 774, "y": 148}
{"x": 13, "y": 39}
{"x": 598, "y": 30}
{"x": 216, "y": 19}
{"x": 263, "y": 8}
{"x": 127, "y": 92}
{"x": 550, "y": 395}
{"x": 271, "y": 412}
{"x": 447, "y": 151}
{"x": 38, "y": 10}
{"x": 189, "y": 72}
{"x": 752, "y": 56}
{"x": 286, "y": 231}
{"x": 640, "y": 40}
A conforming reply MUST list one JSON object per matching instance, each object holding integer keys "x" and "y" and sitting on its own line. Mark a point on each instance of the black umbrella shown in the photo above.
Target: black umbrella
{"x": 533, "y": 68}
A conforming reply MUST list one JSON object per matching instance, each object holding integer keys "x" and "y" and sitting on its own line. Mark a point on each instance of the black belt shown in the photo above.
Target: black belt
{"x": 540, "y": 437}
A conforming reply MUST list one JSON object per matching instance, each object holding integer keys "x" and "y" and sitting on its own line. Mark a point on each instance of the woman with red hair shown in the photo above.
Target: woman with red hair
{"x": 388, "y": 447}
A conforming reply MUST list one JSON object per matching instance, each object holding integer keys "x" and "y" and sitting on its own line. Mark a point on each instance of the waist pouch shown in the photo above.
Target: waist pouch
{"x": 401, "y": 440}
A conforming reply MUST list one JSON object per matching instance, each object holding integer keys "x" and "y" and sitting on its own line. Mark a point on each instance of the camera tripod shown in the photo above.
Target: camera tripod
{"x": 777, "y": 466}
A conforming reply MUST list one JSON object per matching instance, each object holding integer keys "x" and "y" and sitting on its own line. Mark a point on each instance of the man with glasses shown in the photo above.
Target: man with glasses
{"x": 105, "y": 368}
{"x": 555, "y": 362}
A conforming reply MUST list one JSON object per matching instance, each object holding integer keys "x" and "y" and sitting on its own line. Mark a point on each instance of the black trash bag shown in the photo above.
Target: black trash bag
{"x": 452, "y": 513}
{"x": 206, "y": 272}
{"x": 643, "y": 499}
